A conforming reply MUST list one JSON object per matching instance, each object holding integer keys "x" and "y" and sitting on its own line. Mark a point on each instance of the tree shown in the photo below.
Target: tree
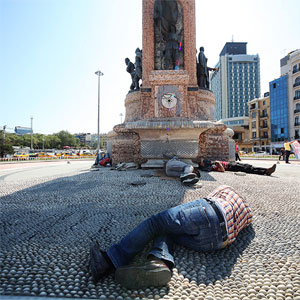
{"x": 66, "y": 139}
{"x": 6, "y": 149}
{"x": 52, "y": 141}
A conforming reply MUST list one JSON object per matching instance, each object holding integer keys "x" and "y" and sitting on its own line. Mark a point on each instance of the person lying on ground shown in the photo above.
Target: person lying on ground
{"x": 186, "y": 172}
{"x": 222, "y": 166}
{"x": 205, "y": 224}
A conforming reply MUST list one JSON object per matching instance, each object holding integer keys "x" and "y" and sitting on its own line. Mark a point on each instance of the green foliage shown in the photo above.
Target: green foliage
{"x": 66, "y": 139}
{"x": 40, "y": 141}
{"x": 6, "y": 149}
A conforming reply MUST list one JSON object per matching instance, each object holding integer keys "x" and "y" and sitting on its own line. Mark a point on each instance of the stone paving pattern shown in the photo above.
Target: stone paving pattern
{"x": 47, "y": 225}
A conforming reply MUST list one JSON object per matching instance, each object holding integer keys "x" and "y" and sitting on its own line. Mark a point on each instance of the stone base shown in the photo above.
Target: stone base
{"x": 193, "y": 102}
{"x": 153, "y": 139}
{"x": 159, "y": 163}
{"x": 153, "y": 164}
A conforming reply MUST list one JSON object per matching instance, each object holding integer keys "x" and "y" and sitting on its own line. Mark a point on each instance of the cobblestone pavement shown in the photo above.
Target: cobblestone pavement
{"x": 47, "y": 224}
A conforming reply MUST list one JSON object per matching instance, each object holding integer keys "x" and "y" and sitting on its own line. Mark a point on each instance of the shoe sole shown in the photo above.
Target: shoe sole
{"x": 188, "y": 176}
{"x": 136, "y": 278}
{"x": 190, "y": 181}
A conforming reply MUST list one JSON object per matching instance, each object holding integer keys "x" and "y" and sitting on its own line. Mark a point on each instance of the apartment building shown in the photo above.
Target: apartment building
{"x": 290, "y": 67}
{"x": 260, "y": 123}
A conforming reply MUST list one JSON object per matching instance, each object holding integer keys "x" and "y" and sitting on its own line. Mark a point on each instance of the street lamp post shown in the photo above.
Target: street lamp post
{"x": 98, "y": 73}
{"x": 4, "y": 127}
{"x": 31, "y": 144}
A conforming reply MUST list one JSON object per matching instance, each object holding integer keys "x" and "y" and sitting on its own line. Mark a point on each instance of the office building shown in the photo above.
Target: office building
{"x": 237, "y": 81}
{"x": 290, "y": 67}
{"x": 279, "y": 110}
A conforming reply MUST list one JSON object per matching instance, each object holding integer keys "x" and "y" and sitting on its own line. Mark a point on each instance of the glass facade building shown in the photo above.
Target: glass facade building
{"x": 279, "y": 109}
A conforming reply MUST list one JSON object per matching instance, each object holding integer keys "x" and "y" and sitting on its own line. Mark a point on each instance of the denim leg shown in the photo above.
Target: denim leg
{"x": 188, "y": 169}
{"x": 163, "y": 223}
{"x": 175, "y": 168}
{"x": 163, "y": 249}
{"x": 193, "y": 224}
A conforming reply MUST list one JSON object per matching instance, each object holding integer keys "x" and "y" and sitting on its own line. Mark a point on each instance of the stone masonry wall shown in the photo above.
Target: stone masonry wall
{"x": 213, "y": 145}
{"x": 126, "y": 146}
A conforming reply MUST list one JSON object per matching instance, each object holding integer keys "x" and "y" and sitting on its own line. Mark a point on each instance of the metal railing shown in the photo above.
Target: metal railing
{"x": 45, "y": 158}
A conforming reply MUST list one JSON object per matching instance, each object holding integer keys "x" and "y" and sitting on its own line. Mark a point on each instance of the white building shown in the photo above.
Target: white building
{"x": 290, "y": 66}
{"x": 237, "y": 81}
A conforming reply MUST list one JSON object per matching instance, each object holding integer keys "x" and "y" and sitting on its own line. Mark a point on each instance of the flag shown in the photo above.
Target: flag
{"x": 296, "y": 149}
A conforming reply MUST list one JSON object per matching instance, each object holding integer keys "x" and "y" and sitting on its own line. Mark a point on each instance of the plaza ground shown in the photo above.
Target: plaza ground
{"x": 52, "y": 211}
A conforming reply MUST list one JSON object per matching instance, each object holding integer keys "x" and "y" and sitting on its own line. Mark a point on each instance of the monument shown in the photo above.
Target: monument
{"x": 169, "y": 114}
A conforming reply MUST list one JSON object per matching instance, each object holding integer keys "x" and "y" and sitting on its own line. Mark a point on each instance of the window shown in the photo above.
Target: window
{"x": 274, "y": 85}
{"x": 264, "y": 103}
{"x": 282, "y": 130}
{"x": 253, "y": 135}
{"x": 295, "y": 69}
{"x": 265, "y": 134}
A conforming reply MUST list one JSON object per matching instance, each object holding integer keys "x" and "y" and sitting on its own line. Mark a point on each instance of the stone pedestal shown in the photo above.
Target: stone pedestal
{"x": 141, "y": 140}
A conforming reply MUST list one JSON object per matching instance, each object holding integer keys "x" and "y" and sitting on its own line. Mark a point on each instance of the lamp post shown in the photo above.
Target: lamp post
{"x": 31, "y": 134}
{"x": 98, "y": 73}
{"x": 4, "y": 127}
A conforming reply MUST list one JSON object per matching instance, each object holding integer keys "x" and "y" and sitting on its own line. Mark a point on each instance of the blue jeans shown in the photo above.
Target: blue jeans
{"x": 194, "y": 225}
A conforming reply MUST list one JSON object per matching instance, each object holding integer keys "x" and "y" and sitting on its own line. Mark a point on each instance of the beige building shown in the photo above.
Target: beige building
{"x": 290, "y": 65}
{"x": 259, "y": 123}
{"x": 240, "y": 126}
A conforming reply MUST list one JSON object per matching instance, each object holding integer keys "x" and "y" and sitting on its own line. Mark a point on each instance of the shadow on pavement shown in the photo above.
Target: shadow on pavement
{"x": 46, "y": 231}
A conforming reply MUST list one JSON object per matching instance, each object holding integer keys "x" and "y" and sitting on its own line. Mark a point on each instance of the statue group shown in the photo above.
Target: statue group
{"x": 135, "y": 70}
{"x": 168, "y": 32}
{"x": 168, "y": 38}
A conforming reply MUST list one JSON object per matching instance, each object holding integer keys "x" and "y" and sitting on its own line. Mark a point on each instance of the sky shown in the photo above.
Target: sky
{"x": 51, "y": 49}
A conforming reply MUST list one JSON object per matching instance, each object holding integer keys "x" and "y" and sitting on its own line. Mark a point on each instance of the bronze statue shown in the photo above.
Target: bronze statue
{"x": 202, "y": 70}
{"x": 165, "y": 15}
{"x": 139, "y": 63}
{"x": 131, "y": 70}
{"x": 172, "y": 50}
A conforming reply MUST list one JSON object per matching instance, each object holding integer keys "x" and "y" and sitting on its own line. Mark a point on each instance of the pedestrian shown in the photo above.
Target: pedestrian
{"x": 99, "y": 158}
{"x": 287, "y": 149}
{"x": 222, "y": 166}
{"x": 237, "y": 152}
{"x": 281, "y": 154}
{"x": 205, "y": 224}
{"x": 186, "y": 172}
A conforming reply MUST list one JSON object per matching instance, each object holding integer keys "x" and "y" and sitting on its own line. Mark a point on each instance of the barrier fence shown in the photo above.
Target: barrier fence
{"x": 45, "y": 158}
